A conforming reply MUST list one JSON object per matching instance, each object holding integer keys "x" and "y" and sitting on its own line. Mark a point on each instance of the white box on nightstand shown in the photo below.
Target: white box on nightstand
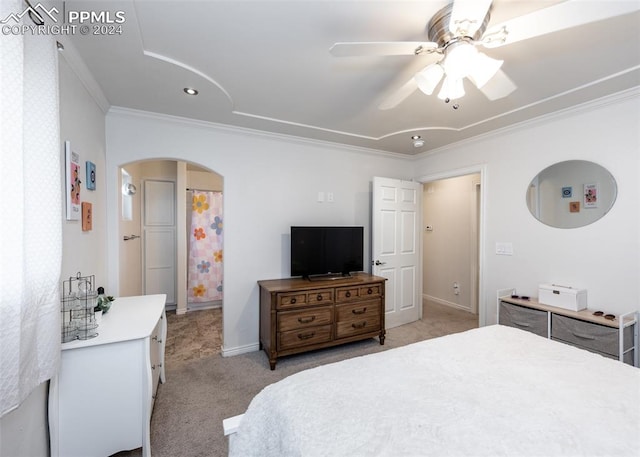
{"x": 562, "y": 296}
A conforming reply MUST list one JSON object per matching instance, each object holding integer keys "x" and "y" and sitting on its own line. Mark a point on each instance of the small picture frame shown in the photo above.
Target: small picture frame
{"x": 590, "y": 195}
{"x": 91, "y": 175}
{"x": 72, "y": 168}
{"x": 87, "y": 217}
{"x": 567, "y": 192}
{"x": 574, "y": 207}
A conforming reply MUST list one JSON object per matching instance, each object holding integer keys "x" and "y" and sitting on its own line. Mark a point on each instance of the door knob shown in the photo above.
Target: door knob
{"x": 380, "y": 263}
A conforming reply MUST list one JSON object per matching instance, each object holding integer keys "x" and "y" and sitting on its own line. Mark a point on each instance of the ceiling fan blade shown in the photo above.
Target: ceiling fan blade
{"x": 399, "y": 95}
{"x": 382, "y": 48}
{"x": 560, "y": 16}
{"x": 467, "y": 16}
{"x": 499, "y": 86}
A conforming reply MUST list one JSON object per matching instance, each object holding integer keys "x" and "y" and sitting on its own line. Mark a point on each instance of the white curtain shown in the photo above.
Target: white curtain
{"x": 30, "y": 212}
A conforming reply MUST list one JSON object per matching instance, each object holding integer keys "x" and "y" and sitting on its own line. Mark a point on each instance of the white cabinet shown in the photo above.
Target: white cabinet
{"x": 100, "y": 402}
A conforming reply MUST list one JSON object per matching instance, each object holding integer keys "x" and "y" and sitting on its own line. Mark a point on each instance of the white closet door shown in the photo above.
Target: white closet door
{"x": 160, "y": 239}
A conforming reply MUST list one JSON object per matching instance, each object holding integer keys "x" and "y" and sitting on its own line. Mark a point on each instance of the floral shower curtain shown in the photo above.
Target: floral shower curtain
{"x": 205, "y": 248}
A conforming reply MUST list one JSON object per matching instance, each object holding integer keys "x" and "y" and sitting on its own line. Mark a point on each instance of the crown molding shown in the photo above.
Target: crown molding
{"x": 612, "y": 99}
{"x": 208, "y": 125}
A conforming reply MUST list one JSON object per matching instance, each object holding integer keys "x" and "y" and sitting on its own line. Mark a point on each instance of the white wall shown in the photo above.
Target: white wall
{"x": 450, "y": 248}
{"x": 24, "y": 431}
{"x": 602, "y": 257}
{"x": 270, "y": 183}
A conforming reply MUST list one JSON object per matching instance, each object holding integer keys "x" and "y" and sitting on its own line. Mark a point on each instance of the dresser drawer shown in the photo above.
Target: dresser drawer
{"x": 588, "y": 335}
{"x": 311, "y": 317}
{"x": 350, "y": 293}
{"x": 531, "y": 320}
{"x": 304, "y": 337}
{"x": 357, "y": 318}
{"x": 356, "y": 311}
{"x": 306, "y": 298}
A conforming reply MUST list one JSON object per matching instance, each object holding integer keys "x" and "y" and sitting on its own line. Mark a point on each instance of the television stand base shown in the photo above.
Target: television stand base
{"x": 329, "y": 277}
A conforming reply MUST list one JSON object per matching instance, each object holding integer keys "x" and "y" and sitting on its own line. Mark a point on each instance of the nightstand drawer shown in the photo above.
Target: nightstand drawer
{"x": 304, "y": 337}
{"x": 531, "y": 320}
{"x": 588, "y": 335}
{"x": 311, "y": 317}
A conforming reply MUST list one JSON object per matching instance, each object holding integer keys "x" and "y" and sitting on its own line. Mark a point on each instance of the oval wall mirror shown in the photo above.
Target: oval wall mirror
{"x": 571, "y": 194}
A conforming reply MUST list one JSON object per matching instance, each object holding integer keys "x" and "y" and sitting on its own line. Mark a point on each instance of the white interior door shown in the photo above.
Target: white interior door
{"x": 397, "y": 218}
{"x": 159, "y": 228}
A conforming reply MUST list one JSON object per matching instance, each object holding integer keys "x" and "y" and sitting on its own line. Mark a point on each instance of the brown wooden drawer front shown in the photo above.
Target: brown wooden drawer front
{"x": 306, "y": 298}
{"x": 320, "y": 297}
{"x": 357, "y": 318}
{"x": 290, "y": 320}
{"x": 292, "y": 300}
{"x": 304, "y": 337}
{"x": 345, "y": 294}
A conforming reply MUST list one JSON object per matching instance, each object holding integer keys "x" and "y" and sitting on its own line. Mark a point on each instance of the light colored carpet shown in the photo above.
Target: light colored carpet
{"x": 203, "y": 388}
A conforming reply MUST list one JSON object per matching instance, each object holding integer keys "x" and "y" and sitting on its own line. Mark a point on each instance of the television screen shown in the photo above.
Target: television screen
{"x": 326, "y": 250}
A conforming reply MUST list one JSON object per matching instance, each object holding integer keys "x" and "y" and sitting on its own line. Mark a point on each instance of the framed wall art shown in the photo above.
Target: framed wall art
{"x": 91, "y": 175}
{"x": 72, "y": 170}
{"x": 87, "y": 217}
{"x": 590, "y": 195}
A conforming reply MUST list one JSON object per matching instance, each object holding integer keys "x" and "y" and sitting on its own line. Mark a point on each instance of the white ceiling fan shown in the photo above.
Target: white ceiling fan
{"x": 457, "y": 30}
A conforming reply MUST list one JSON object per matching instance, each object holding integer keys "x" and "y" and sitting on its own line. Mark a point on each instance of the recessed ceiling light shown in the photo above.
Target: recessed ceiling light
{"x": 190, "y": 91}
{"x": 59, "y": 46}
{"x": 416, "y": 137}
{"x": 418, "y": 142}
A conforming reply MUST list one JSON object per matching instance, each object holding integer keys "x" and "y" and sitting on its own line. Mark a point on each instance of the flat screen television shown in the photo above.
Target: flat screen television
{"x": 326, "y": 252}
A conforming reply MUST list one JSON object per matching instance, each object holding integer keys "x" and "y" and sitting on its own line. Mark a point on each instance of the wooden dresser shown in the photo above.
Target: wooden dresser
{"x": 298, "y": 315}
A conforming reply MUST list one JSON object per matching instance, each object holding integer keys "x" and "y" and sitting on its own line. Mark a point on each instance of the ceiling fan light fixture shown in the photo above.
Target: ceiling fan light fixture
{"x": 484, "y": 68}
{"x": 451, "y": 89}
{"x": 429, "y": 78}
{"x": 459, "y": 59}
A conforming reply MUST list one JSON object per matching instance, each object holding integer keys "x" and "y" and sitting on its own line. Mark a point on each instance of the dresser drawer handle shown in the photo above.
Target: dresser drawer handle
{"x": 348, "y": 294}
{"x": 522, "y": 324}
{"x": 359, "y": 311}
{"x": 293, "y": 301}
{"x": 584, "y": 337}
{"x": 319, "y": 297}
{"x": 370, "y": 291}
{"x": 306, "y": 336}
{"x": 362, "y": 324}
{"x": 306, "y": 320}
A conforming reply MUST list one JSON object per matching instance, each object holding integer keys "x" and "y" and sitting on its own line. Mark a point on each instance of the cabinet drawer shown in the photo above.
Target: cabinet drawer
{"x": 588, "y": 335}
{"x": 306, "y": 298}
{"x": 350, "y": 293}
{"x": 531, "y": 320}
{"x": 290, "y": 320}
{"x": 356, "y": 311}
{"x": 357, "y": 318}
{"x": 304, "y": 337}
{"x": 292, "y": 300}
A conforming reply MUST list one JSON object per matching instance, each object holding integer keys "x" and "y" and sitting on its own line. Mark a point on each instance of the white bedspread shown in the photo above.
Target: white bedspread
{"x": 485, "y": 392}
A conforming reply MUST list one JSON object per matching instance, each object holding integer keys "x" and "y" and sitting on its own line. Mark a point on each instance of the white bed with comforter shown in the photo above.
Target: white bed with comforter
{"x": 485, "y": 392}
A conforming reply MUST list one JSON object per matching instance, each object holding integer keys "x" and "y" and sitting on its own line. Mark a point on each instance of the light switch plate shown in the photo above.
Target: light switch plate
{"x": 503, "y": 248}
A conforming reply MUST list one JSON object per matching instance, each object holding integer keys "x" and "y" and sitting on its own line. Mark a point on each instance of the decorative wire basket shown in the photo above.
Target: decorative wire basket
{"x": 79, "y": 298}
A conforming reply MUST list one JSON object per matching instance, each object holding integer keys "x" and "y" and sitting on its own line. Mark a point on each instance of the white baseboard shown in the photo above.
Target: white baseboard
{"x": 451, "y": 304}
{"x": 240, "y": 350}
